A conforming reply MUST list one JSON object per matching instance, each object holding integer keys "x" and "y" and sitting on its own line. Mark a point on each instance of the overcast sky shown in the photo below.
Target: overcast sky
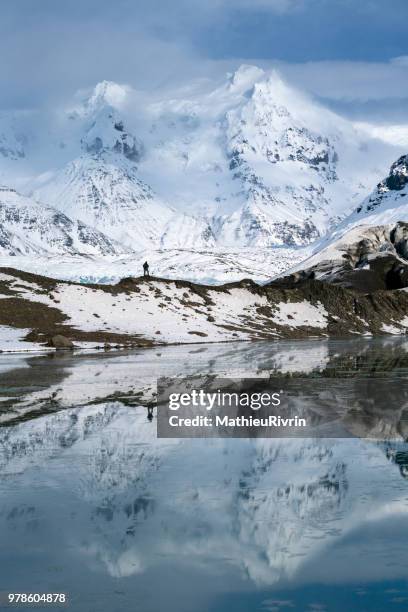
{"x": 352, "y": 52}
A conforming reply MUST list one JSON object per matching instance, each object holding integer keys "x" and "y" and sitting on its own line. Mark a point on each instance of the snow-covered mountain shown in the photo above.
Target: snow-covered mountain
{"x": 105, "y": 192}
{"x": 103, "y": 128}
{"x": 385, "y": 209}
{"x": 285, "y": 165}
{"x": 102, "y": 186}
{"x": 368, "y": 250}
{"x": 257, "y": 162}
{"x": 267, "y": 164}
{"x": 27, "y": 228}
{"x": 247, "y": 163}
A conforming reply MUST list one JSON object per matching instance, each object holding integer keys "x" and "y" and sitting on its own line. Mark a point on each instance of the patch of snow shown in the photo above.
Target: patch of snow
{"x": 391, "y": 329}
{"x": 12, "y": 340}
{"x": 298, "y": 314}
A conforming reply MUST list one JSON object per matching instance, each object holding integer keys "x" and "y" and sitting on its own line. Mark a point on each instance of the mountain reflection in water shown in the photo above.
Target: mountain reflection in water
{"x": 93, "y": 504}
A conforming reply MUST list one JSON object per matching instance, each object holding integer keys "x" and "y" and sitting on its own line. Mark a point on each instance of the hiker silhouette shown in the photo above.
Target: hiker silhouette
{"x": 146, "y": 269}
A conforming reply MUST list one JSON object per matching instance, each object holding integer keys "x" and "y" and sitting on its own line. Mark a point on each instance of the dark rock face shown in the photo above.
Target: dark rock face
{"x": 399, "y": 238}
{"x": 377, "y": 262}
{"x": 95, "y": 146}
{"x": 396, "y": 277}
{"x": 131, "y": 152}
{"x": 398, "y": 176}
{"x": 396, "y": 181}
{"x": 382, "y": 273}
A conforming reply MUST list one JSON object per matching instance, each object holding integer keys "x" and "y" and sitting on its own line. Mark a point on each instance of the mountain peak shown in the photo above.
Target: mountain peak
{"x": 244, "y": 77}
{"x": 398, "y": 177}
{"x": 107, "y": 93}
{"x": 386, "y": 204}
{"x": 107, "y": 132}
{"x": 102, "y": 125}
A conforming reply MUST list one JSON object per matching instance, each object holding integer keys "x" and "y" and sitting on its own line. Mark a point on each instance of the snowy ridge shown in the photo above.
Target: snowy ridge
{"x": 203, "y": 265}
{"x": 387, "y": 204}
{"x": 107, "y": 194}
{"x": 27, "y": 228}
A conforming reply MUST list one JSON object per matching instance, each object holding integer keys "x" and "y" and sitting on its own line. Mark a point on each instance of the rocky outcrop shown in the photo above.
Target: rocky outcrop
{"x": 391, "y": 189}
{"x": 366, "y": 260}
{"x": 368, "y": 250}
{"x": 61, "y": 343}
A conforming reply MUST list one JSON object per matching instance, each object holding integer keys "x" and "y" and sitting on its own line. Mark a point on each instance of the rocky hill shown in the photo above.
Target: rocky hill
{"x": 143, "y": 312}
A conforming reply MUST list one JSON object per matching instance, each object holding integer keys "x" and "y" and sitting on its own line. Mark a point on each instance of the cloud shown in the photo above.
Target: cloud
{"x": 277, "y": 6}
{"x": 351, "y": 81}
{"x": 338, "y": 49}
{"x": 402, "y": 60}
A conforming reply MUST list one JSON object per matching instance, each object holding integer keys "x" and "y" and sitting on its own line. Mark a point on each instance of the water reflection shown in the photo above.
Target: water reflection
{"x": 92, "y": 503}
{"x": 32, "y": 386}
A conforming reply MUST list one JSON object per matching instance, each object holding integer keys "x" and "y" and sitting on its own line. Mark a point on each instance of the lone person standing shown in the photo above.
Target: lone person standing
{"x": 146, "y": 269}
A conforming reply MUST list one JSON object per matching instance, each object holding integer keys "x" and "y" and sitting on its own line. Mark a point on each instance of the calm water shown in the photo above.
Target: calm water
{"x": 94, "y": 505}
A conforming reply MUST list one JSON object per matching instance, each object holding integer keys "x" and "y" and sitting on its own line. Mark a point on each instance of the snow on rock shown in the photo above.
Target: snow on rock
{"x": 109, "y": 196}
{"x": 158, "y": 312}
{"x": 143, "y": 312}
{"x": 391, "y": 329}
{"x": 28, "y": 228}
{"x": 388, "y": 203}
